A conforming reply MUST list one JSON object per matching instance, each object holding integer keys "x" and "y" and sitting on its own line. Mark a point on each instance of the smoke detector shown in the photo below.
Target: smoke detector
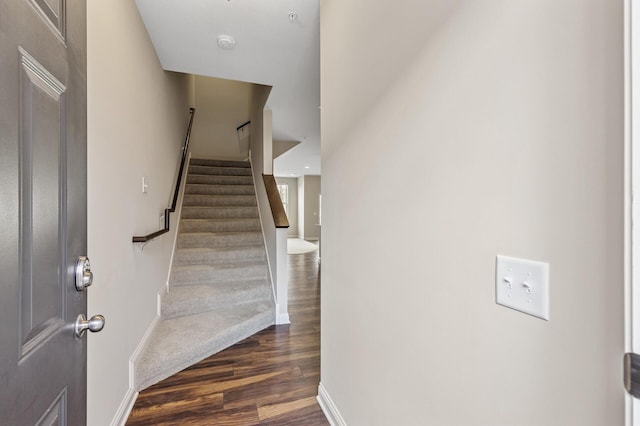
{"x": 226, "y": 42}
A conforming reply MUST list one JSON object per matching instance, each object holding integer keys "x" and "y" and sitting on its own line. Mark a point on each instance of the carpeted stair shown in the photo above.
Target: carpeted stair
{"x": 219, "y": 291}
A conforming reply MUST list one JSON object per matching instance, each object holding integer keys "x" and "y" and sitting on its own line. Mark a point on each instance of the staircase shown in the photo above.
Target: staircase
{"x": 219, "y": 290}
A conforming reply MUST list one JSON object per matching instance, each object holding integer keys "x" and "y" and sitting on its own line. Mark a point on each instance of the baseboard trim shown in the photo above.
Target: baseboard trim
{"x": 136, "y": 354}
{"x": 130, "y": 398}
{"x": 329, "y": 408}
{"x": 281, "y": 318}
{"x": 125, "y": 408}
{"x": 161, "y": 295}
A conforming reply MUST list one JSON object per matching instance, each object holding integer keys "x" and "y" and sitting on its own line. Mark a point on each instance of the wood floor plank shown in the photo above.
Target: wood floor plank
{"x": 273, "y": 410}
{"x": 308, "y": 416}
{"x": 153, "y": 410}
{"x": 268, "y": 379}
{"x": 272, "y": 393}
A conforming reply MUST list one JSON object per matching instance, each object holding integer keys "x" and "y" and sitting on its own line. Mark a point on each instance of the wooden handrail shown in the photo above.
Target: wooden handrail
{"x": 183, "y": 159}
{"x": 277, "y": 209}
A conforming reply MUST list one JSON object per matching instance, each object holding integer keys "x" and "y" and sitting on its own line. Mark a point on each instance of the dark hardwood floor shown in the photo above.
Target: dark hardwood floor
{"x": 270, "y": 378}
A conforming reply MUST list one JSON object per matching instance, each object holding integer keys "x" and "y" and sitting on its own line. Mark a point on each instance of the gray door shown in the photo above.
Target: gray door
{"x": 42, "y": 210}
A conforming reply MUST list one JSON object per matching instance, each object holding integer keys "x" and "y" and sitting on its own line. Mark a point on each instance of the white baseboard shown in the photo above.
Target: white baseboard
{"x": 164, "y": 291}
{"x": 125, "y": 408}
{"x": 136, "y": 354}
{"x": 329, "y": 408}
{"x": 281, "y": 318}
{"x": 130, "y": 397}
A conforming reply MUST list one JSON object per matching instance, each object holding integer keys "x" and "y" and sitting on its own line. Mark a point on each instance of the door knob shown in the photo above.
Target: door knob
{"x": 93, "y": 324}
{"x": 84, "y": 276}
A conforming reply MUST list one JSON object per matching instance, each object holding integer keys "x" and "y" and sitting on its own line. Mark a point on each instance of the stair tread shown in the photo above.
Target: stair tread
{"x": 228, "y": 233}
{"x": 221, "y": 219}
{"x": 220, "y": 207}
{"x": 219, "y": 170}
{"x": 220, "y": 266}
{"x": 213, "y": 273}
{"x": 234, "y": 163}
{"x": 197, "y": 178}
{"x": 219, "y": 293}
{"x": 218, "y": 249}
{"x": 226, "y": 200}
{"x": 231, "y": 177}
{"x": 218, "y": 239}
{"x": 216, "y": 184}
{"x": 199, "y": 298}
{"x": 189, "y": 206}
{"x": 222, "y": 195}
{"x": 200, "y": 251}
{"x": 220, "y": 225}
{"x": 183, "y": 292}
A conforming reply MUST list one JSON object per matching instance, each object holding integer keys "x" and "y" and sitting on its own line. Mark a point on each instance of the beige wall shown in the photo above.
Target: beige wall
{"x": 507, "y": 121}
{"x": 222, "y": 106}
{"x": 292, "y": 213}
{"x": 137, "y": 117}
{"x": 309, "y": 207}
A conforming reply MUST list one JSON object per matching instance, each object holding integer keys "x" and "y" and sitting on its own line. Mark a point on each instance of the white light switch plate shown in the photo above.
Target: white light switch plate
{"x": 523, "y": 285}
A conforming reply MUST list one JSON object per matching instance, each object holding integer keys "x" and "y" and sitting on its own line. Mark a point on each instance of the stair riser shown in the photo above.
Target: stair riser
{"x": 216, "y": 257}
{"x": 219, "y": 225}
{"x": 203, "y": 189}
{"x": 219, "y": 180}
{"x": 219, "y": 163}
{"x": 219, "y": 200}
{"x": 214, "y": 276}
{"x": 204, "y": 304}
{"x": 190, "y": 240}
{"x": 221, "y": 171}
{"x": 190, "y": 212}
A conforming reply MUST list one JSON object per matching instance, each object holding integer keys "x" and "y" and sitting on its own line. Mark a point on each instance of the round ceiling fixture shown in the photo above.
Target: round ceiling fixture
{"x": 226, "y": 42}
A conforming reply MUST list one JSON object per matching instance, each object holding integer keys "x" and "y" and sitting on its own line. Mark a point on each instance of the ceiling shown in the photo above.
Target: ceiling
{"x": 277, "y": 43}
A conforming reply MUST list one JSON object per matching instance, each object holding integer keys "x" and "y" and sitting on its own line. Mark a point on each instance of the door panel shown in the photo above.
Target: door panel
{"x": 42, "y": 210}
{"x": 53, "y": 12}
{"x": 42, "y": 145}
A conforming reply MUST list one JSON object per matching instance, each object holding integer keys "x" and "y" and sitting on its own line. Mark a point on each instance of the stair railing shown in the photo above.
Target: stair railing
{"x": 167, "y": 211}
{"x": 277, "y": 209}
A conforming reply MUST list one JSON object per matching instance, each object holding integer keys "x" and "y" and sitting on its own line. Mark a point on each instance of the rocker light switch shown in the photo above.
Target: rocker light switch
{"x": 523, "y": 285}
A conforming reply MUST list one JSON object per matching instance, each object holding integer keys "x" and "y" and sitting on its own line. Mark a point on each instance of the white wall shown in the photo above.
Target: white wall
{"x": 137, "y": 118}
{"x": 222, "y": 106}
{"x": 258, "y": 160}
{"x": 262, "y": 163}
{"x": 292, "y": 213}
{"x": 504, "y": 121}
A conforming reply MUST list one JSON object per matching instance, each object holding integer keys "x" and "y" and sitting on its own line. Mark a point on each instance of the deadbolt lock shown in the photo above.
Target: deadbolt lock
{"x": 84, "y": 276}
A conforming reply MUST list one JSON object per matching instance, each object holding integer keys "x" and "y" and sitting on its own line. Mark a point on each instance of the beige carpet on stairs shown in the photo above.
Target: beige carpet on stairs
{"x": 220, "y": 290}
